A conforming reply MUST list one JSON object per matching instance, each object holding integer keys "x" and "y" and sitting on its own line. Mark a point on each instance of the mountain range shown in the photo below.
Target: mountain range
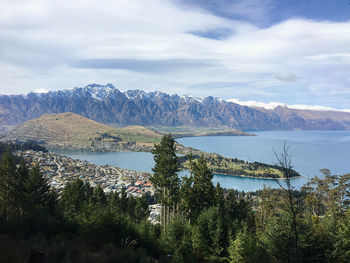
{"x": 106, "y": 104}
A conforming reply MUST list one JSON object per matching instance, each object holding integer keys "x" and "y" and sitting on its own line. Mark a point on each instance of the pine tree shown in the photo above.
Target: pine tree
{"x": 123, "y": 201}
{"x": 141, "y": 211}
{"x": 165, "y": 178}
{"x": 9, "y": 203}
{"x": 98, "y": 196}
{"x": 209, "y": 236}
{"x": 342, "y": 246}
{"x": 219, "y": 198}
{"x": 186, "y": 200}
{"x": 203, "y": 189}
{"x": 243, "y": 248}
{"x": 114, "y": 202}
{"x": 177, "y": 239}
{"x": 39, "y": 199}
{"x": 73, "y": 198}
{"x": 186, "y": 191}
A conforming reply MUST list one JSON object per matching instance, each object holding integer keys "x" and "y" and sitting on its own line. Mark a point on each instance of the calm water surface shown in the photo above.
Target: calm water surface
{"x": 310, "y": 150}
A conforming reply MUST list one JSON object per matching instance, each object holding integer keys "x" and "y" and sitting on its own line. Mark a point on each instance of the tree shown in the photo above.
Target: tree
{"x": 342, "y": 246}
{"x": 326, "y": 205}
{"x": 243, "y": 248}
{"x": 291, "y": 202}
{"x": 177, "y": 239}
{"x": 165, "y": 178}
{"x": 278, "y": 239}
{"x": 114, "y": 201}
{"x": 98, "y": 196}
{"x": 9, "y": 203}
{"x": 219, "y": 198}
{"x": 141, "y": 211}
{"x": 74, "y": 196}
{"x": 40, "y": 200}
{"x": 203, "y": 189}
{"x": 210, "y": 236}
{"x": 187, "y": 204}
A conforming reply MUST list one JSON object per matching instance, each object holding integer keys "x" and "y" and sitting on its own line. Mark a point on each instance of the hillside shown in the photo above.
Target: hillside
{"x": 69, "y": 130}
{"x": 108, "y": 105}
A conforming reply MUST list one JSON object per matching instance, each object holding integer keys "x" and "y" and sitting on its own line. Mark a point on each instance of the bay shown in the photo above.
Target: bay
{"x": 310, "y": 151}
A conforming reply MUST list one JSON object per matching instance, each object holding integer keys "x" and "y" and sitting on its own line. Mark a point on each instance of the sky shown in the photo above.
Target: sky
{"x": 291, "y": 51}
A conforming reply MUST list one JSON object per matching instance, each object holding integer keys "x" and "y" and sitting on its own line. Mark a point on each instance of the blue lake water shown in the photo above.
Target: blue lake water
{"x": 310, "y": 151}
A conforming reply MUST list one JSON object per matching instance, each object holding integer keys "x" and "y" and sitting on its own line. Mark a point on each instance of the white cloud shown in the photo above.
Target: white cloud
{"x": 251, "y": 103}
{"x": 41, "y": 91}
{"x": 273, "y": 105}
{"x": 297, "y": 61}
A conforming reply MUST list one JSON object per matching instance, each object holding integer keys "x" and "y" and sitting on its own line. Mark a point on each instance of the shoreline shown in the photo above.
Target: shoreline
{"x": 255, "y": 177}
{"x": 56, "y": 150}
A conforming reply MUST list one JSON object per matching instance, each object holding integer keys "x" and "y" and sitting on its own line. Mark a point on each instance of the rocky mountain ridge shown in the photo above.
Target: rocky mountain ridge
{"x": 106, "y": 104}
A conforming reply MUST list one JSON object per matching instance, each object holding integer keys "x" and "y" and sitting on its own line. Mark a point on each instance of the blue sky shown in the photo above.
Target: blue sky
{"x": 294, "y": 52}
{"x": 264, "y": 13}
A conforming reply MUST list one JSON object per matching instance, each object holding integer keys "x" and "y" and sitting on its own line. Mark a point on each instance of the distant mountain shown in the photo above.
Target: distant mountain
{"x": 69, "y": 130}
{"x": 108, "y": 105}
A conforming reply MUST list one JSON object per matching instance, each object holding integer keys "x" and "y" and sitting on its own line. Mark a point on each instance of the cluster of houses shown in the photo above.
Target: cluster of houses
{"x": 60, "y": 169}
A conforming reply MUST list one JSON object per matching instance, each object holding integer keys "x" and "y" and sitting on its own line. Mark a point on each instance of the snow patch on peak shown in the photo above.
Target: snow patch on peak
{"x": 200, "y": 100}
{"x": 157, "y": 94}
{"x": 136, "y": 93}
{"x": 99, "y": 92}
{"x": 190, "y": 98}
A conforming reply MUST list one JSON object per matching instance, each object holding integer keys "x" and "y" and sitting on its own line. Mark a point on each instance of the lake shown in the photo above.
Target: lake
{"x": 310, "y": 151}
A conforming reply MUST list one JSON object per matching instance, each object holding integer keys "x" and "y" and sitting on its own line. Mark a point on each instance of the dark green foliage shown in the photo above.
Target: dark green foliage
{"x": 165, "y": 178}
{"x": 219, "y": 199}
{"x": 177, "y": 240}
{"x": 342, "y": 245}
{"x": 108, "y": 136}
{"x": 165, "y": 171}
{"x": 244, "y": 249}
{"x": 203, "y": 192}
{"x": 73, "y": 196}
{"x": 136, "y": 208}
{"x": 187, "y": 204}
{"x": 39, "y": 202}
{"x": 141, "y": 209}
{"x": 98, "y": 197}
{"x": 278, "y": 239}
{"x": 233, "y": 166}
{"x": 317, "y": 239}
{"x": 210, "y": 237}
{"x": 27, "y": 203}
{"x": 9, "y": 183}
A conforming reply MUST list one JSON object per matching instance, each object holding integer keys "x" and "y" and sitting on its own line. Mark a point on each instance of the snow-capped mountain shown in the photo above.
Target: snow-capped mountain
{"x": 107, "y": 104}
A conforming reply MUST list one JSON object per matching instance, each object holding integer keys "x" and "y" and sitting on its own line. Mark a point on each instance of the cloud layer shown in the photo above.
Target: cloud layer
{"x": 173, "y": 47}
{"x": 272, "y": 105}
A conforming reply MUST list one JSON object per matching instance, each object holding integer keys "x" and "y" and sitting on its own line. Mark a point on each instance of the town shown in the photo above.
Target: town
{"x": 59, "y": 170}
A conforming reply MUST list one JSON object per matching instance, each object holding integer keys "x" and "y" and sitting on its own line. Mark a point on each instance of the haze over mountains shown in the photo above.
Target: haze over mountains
{"x": 108, "y": 105}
